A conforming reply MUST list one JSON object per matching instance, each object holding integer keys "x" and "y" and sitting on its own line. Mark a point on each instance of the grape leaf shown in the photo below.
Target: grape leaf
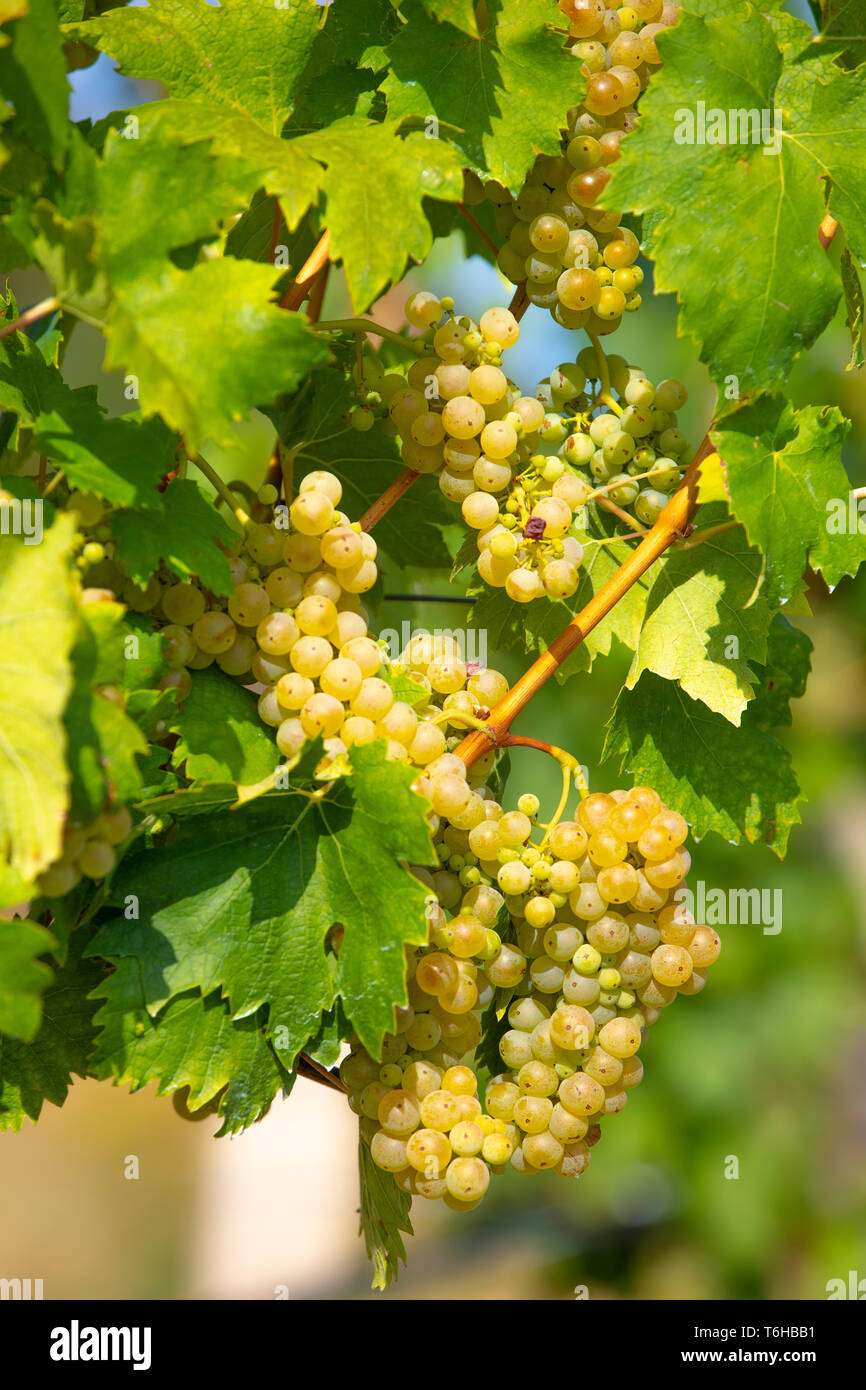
{"x": 182, "y": 533}
{"x": 843, "y": 30}
{"x": 384, "y": 1214}
{"x": 103, "y": 740}
{"x": 774, "y": 268}
{"x": 31, "y": 1073}
{"x": 207, "y": 345}
{"x": 244, "y": 56}
{"x": 535, "y": 625}
{"x": 121, "y": 460}
{"x": 23, "y": 978}
{"x": 700, "y": 628}
{"x": 738, "y": 783}
{"x": 191, "y": 1042}
{"x": 460, "y": 13}
{"x": 243, "y": 899}
{"x": 499, "y": 96}
{"x": 33, "y": 77}
{"x": 783, "y": 678}
{"x": 221, "y": 738}
{"x": 789, "y": 488}
{"x": 361, "y": 158}
{"x": 853, "y": 291}
{"x": 313, "y": 428}
{"x": 37, "y": 618}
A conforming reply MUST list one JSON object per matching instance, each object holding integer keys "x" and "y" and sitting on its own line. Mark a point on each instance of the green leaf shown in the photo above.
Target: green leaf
{"x": 853, "y": 291}
{"x": 31, "y": 1073}
{"x": 738, "y": 783}
{"x": 776, "y": 277}
{"x": 103, "y": 740}
{"x": 23, "y": 978}
{"x": 384, "y": 1214}
{"x": 843, "y": 30}
{"x": 243, "y": 899}
{"x": 704, "y": 622}
{"x": 361, "y": 159}
{"x": 182, "y": 534}
{"x": 208, "y": 345}
{"x": 221, "y": 738}
{"x": 191, "y": 1042}
{"x": 121, "y": 460}
{"x": 313, "y": 427}
{"x": 33, "y": 77}
{"x": 784, "y": 677}
{"x": 498, "y": 97}
{"x": 38, "y": 622}
{"x": 460, "y": 13}
{"x": 788, "y": 487}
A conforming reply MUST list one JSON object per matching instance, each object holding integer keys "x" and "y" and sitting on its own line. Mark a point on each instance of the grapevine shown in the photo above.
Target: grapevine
{"x": 247, "y": 836}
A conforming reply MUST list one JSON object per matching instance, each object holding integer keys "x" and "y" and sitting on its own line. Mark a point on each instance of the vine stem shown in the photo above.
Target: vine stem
{"x": 392, "y": 494}
{"x": 670, "y": 526}
{"x": 519, "y": 301}
{"x": 315, "y": 262}
{"x": 317, "y": 293}
{"x": 417, "y": 345}
{"x": 217, "y": 483}
{"x": 314, "y": 1071}
{"x": 38, "y": 311}
{"x": 477, "y": 227}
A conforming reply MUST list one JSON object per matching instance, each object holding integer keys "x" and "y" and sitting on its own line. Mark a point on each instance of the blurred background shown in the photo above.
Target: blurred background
{"x": 738, "y": 1169}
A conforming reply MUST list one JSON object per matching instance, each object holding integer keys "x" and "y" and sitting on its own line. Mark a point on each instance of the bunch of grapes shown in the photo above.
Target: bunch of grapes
{"x": 576, "y": 260}
{"x": 456, "y": 412}
{"x": 584, "y": 929}
{"x": 623, "y": 447}
{"x": 89, "y": 851}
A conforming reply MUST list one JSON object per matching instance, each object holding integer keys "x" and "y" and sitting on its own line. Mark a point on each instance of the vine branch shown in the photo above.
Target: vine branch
{"x": 315, "y": 262}
{"x": 670, "y": 526}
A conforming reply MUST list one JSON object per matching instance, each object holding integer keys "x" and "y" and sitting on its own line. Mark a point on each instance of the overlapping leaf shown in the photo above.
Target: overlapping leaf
{"x": 757, "y": 294}
{"x": 121, "y": 460}
{"x": 191, "y": 1042}
{"x": 242, "y": 900}
{"x": 221, "y": 738}
{"x": 32, "y": 1073}
{"x": 500, "y": 97}
{"x": 736, "y": 782}
{"x": 182, "y": 532}
{"x": 700, "y": 628}
{"x": 787, "y": 485}
{"x": 23, "y": 977}
{"x": 37, "y": 623}
{"x": 33, "y": 76}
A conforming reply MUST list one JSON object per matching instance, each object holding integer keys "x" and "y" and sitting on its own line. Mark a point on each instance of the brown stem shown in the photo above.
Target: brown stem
{"x": 46, "y": 306}
{"x": 670, "y": 526}
{"x": 477, "y": 227}
{"x": 317, "y": 294}
{"x": 519, "y": 301}
{"x": 609, "y": 506}
{"x": 298, "y": 290}
{"x": 391, "y": 495}
{"x": 827, "y": 230}
{"x": 314, "y": 1071}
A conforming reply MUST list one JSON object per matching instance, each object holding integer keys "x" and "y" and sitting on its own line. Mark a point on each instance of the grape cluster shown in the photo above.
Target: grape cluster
{"x": 455, "y": 412}
{"x": 576, "y": 260}
{"x": 619, "y": 442}
{"x": 584, "y": 929}
{"x": 88, "y": 852}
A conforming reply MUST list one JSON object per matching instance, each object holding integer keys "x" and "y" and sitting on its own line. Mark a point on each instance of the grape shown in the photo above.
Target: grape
{"x": 183, "y": 603}
{"x": 214, "y": 632}
{"x": 96, "y": 859}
